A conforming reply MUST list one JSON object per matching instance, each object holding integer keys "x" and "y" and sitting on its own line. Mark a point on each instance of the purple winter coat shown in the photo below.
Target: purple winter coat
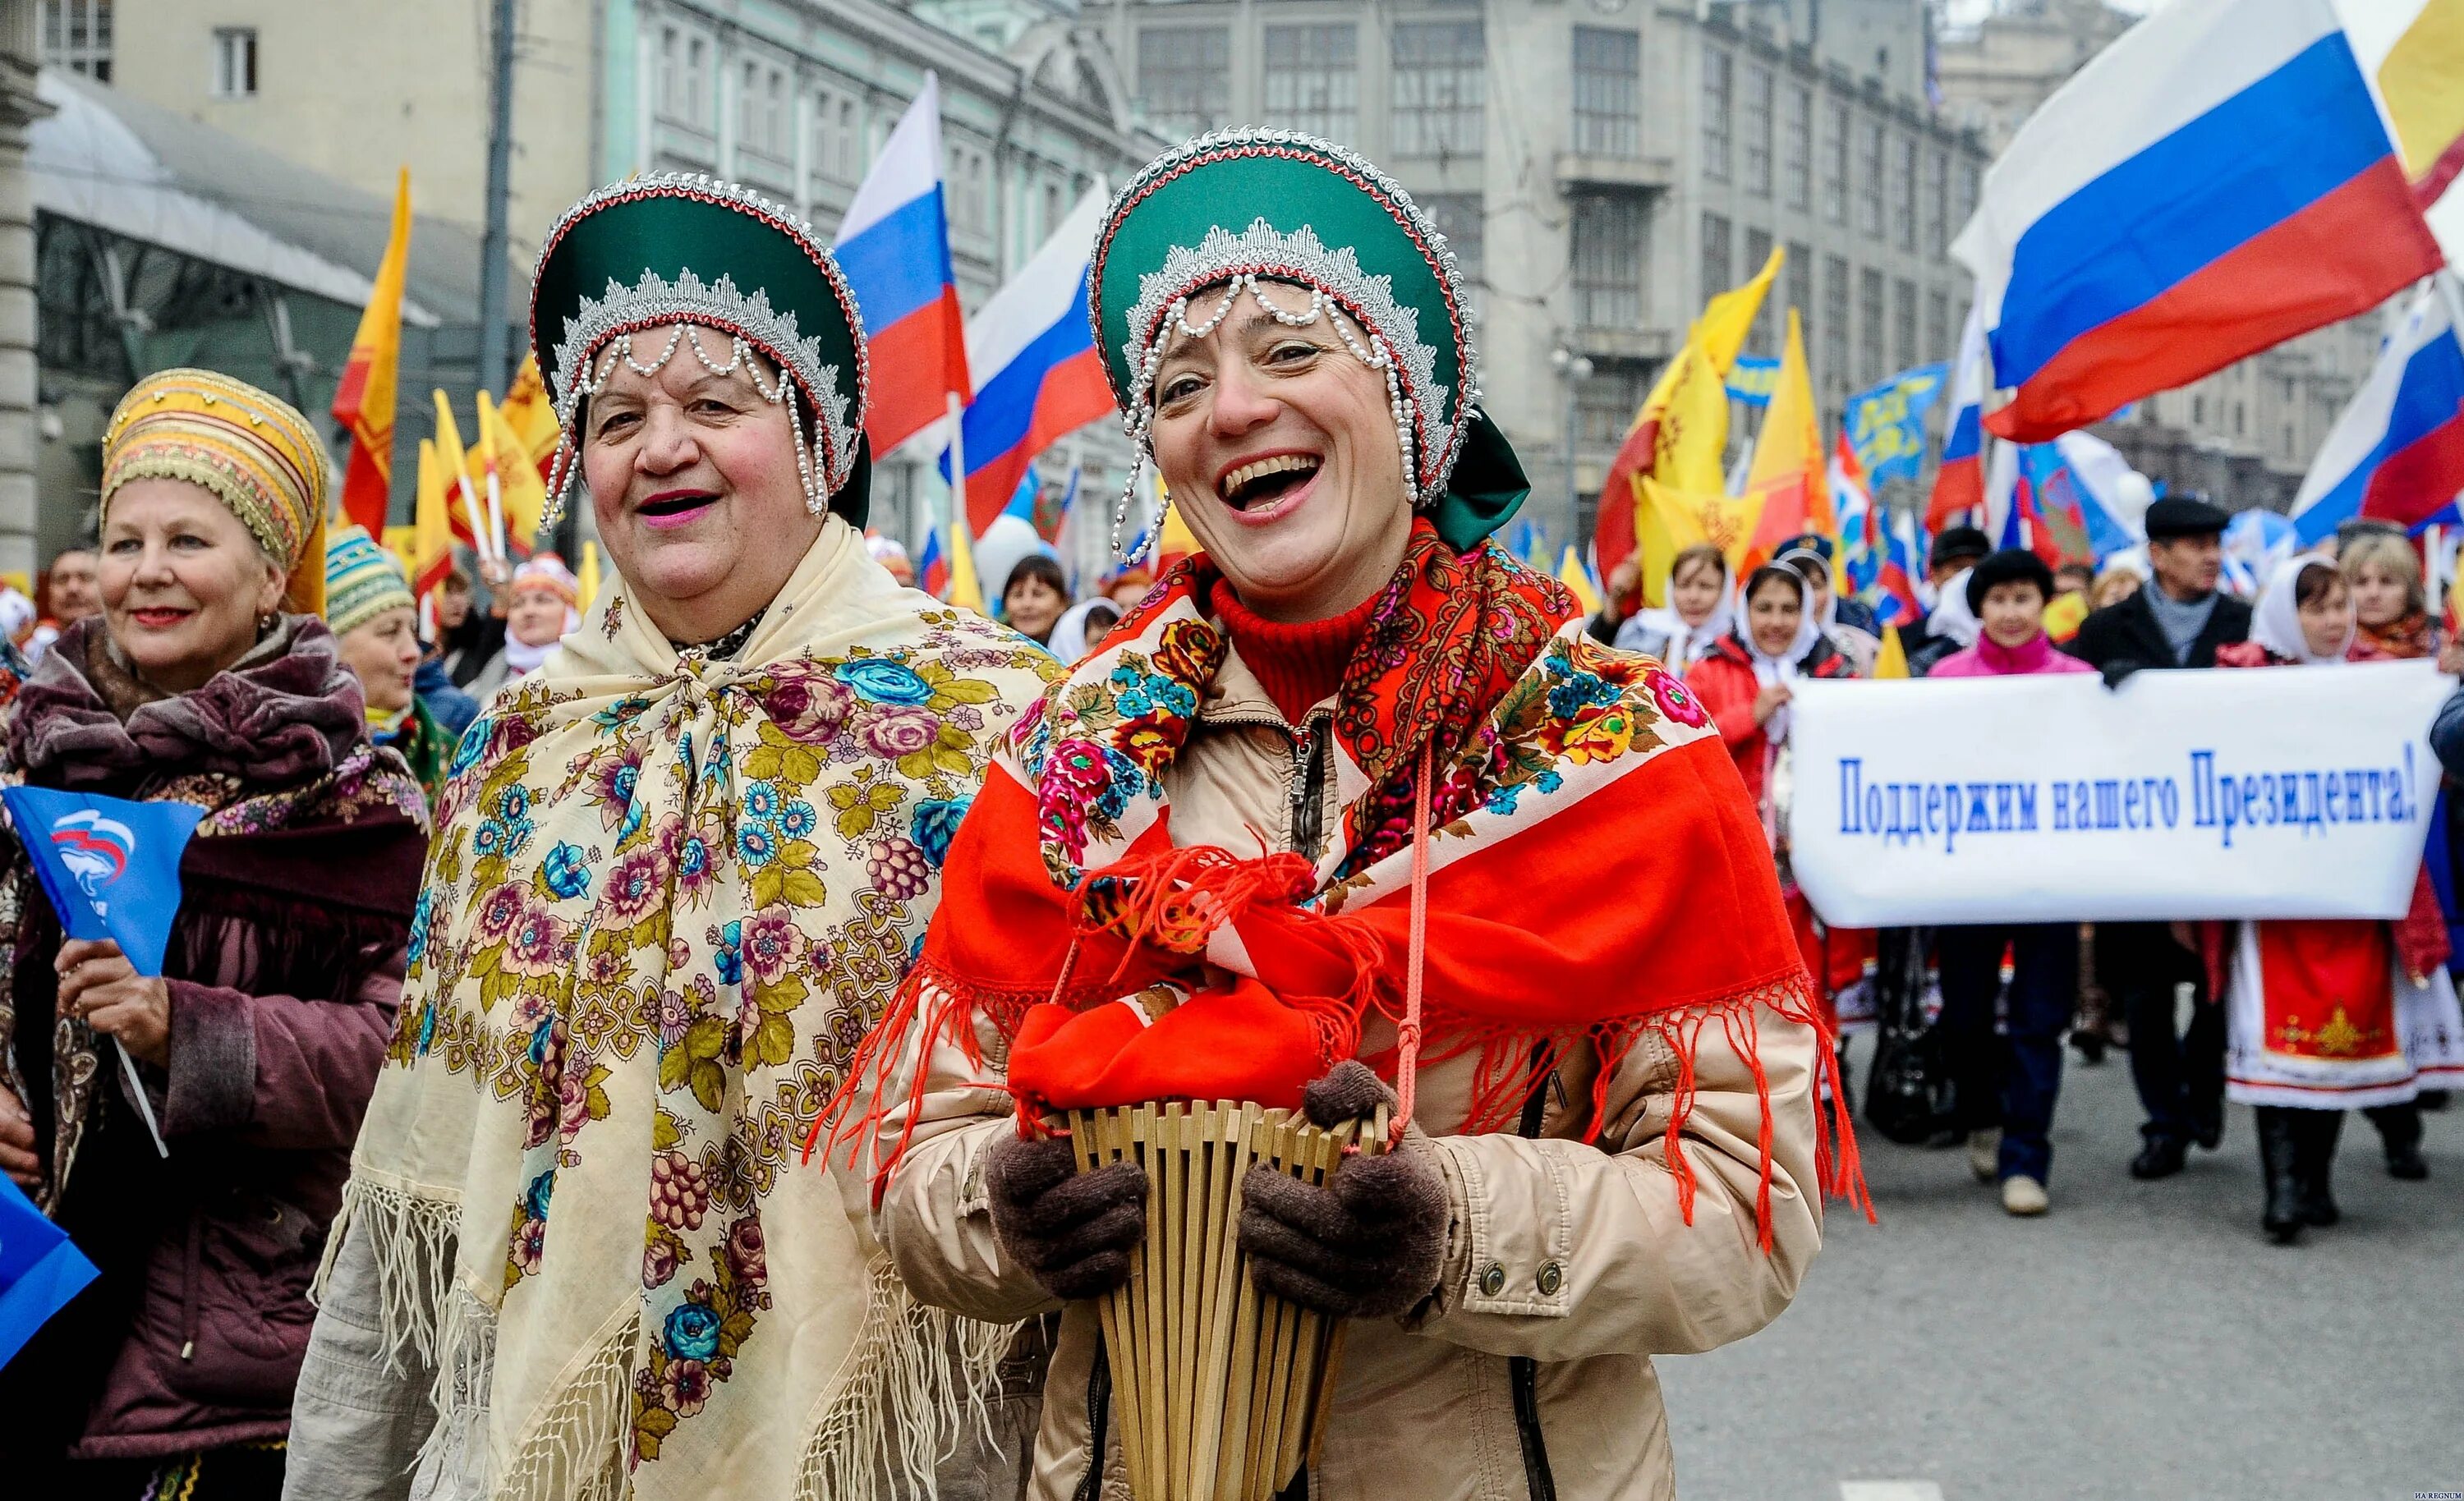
{"x": 284, "y": 970}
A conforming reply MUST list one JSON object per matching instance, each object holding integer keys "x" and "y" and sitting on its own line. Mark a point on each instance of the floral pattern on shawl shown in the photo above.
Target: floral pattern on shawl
{"x": 736, "y": 912}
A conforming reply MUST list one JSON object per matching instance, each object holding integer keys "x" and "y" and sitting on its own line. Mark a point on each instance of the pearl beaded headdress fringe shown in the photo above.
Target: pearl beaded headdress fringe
{"x": 1430, "y": 419}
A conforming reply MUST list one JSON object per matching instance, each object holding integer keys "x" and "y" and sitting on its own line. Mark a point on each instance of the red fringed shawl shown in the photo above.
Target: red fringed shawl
{"x": 1595, "y": 872}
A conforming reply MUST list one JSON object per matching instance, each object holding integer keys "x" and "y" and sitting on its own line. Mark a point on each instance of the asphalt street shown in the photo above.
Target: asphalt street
{"x": 2141, "y": 1340}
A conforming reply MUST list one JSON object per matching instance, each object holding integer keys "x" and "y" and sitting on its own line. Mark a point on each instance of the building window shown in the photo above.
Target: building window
{"x": 1605, "y": 404}
{"x": 1937, "y": 326}
{"x": 1717, "y": 271}
{"x": 1608, "y": 108}
{"x": 1755, "y": 126}
{"x": 1869, "y": 179}
{"x": 1763, "y": 338}
{"x": 1970, "y": 177}
{"x": 1903, "y": 321}
{"x": 1835, "y": 322}
{"x": 236, "y": 62}
{"x": 1313, "y": 79}
{"x": 1185, "y": 77}
{"x": 696, "y": 91}
{"x": 1835, "y": 163}
{"x": 669, "y": 80}
{"x": 1870, "y": 353}
{"x": 1937, "y": 202}
{"x": 1607, "y": 272}
{"x": 1904, "y": 192}
{"x": 1796, "y": 147}
{"x": 1458, "y": 217}
{"x": 76, "y": 35}
{"x": 1441, "y": 83}
{"x": 1717, "y": 85}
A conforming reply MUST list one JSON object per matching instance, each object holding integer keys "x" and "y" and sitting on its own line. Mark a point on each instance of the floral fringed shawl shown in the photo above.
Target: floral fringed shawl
{"x": 1596, "y": 872}
{"x": 667, "y": 897}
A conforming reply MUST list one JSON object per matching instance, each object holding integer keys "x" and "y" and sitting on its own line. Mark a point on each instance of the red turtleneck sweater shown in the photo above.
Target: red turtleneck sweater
{"x": 1299, "y": 664}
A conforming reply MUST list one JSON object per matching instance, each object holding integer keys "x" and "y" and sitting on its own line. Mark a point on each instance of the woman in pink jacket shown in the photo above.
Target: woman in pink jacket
{"x": 2007, "y": 1083}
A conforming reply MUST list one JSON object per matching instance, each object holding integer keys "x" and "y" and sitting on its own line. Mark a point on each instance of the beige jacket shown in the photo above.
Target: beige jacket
{"x": 1568, "y": 1265}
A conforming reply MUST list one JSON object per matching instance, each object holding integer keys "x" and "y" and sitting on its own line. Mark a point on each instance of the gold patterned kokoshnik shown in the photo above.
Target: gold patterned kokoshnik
{"x": 252, "y": 450}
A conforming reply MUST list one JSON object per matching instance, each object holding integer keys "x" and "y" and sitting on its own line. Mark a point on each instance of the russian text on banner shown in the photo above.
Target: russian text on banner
{"x": 2049, "y": 799}
{"x": 2214, "y": 183}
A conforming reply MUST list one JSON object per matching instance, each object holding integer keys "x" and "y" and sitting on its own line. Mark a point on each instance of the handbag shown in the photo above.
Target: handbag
{"x": 1909, "y": 1095}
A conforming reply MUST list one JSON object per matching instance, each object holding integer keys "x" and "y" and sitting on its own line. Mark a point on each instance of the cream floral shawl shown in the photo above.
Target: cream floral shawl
{"x": 667, "y": 897}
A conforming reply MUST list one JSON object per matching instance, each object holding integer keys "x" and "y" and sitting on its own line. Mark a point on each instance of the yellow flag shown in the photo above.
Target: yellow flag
{"x": 1892, "y": 661}
{"x": 2065, "y": 616}
{"x": 1670, "y": 520}
{"x": 588, "y": 577}
{"x": 530, "y": 412}
{"x": 363, "y": 402}
{"x": 1578, "y": 580}
{"x": 966, "y": 591}
{"x": 455, "y": 465}
{"x": 431, "y": 525}
{"x": 1787, "y": 489}
{"x": 522, "y": 490}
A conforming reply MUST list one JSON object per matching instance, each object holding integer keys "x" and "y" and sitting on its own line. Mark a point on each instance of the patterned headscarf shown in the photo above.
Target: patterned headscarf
{"x": 252, "y": 450}
{"x": 362, "y": 580}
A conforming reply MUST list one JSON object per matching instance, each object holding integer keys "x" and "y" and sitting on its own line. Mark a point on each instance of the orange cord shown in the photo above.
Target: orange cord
{"x": 1407, "y": 1035}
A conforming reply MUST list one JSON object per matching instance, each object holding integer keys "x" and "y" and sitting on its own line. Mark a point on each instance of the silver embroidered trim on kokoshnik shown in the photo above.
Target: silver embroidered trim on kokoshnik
{"x": 720, "y": 305}
{"x": 1301, "y": 255}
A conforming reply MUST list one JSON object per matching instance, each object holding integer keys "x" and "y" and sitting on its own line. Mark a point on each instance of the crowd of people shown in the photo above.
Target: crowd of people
{"x": 636, "y": 1018}
{"x": 2010, "y": 993}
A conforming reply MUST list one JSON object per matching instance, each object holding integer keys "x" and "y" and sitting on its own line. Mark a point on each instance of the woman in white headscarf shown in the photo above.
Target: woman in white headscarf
{"x": 2315, "y": 1009}
{"x": 1699, "y": 612}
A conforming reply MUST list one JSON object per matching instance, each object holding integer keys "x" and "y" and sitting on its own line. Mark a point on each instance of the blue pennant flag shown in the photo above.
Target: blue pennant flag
{"x": 1752, "y": 379}
{"x": 39, "y": 1270}
{"x": 110, "y": 866}
{"x": 1886, "y": 425}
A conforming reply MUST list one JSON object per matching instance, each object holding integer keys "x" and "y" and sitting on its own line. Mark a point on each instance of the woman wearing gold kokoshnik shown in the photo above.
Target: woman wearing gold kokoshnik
{"x": 1354, "y": 785}
{"x": 679, "y": 872}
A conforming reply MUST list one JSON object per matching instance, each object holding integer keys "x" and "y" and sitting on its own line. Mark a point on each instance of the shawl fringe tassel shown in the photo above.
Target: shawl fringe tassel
{"x": 916, "y": 1381}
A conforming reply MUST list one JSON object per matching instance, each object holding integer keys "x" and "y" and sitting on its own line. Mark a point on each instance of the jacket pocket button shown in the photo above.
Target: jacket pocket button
{"x": 1493, "y": 1281}
{"x": 1551, "y": 1278}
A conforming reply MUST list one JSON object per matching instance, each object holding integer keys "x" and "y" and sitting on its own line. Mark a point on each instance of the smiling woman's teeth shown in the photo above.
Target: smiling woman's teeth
{"x": 1266, "y": 477}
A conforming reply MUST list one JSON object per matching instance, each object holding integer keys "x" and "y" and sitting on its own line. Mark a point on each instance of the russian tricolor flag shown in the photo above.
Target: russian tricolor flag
{"x": 932, "y": 568}
{"x": 2398, "y": 451}
{"x": 1047, "y": 381}
{"x": 2214, "y": 183}
{"x": 1959, "y": 481}
{"x": 895, "y": 246}
{"x": 1897, "y": 601}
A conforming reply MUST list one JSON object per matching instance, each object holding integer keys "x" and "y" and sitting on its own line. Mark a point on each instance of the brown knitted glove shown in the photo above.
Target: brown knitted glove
{"x": 1071, "y": 1231}
{"x": 1367, "y": 1243}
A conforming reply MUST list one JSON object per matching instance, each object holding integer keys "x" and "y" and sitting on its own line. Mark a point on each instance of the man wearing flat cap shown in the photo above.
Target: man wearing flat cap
{"x": 2179, "y": 622}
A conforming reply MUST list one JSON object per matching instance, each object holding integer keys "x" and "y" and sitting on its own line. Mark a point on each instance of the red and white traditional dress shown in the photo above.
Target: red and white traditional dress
{"x": 2311, "y": 1005}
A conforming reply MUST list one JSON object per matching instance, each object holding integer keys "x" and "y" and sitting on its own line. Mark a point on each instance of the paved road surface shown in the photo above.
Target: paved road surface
{"x": 2142, "y": 1340}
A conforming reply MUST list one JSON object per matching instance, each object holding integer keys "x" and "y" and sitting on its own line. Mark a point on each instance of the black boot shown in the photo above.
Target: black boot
{"x": 2399, "y": 1136}
{"x": 2282, "y": 1217}
{"x": 2314, "y": 1161}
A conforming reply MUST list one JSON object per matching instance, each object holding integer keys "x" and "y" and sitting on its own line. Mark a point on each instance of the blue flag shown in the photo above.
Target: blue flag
{"x": 1752, "y": 379}
{"x": 39, "y": 1270}
{"x": 110, "y": 866}
{"x": 1886, "y": 425}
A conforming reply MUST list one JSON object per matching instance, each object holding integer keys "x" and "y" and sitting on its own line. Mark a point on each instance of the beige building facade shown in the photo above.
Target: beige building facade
{"x": 1602, "y": 166}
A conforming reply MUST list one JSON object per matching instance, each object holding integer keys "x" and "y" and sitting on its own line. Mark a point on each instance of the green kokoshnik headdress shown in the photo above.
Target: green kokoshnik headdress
{"x": 686, "y": 249}
{"x": 1236, "y": 208}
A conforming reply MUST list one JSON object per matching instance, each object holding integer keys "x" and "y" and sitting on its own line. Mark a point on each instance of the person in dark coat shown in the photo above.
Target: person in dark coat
{"x": 2178, "y": 620}
{"x": 201, "y": 1176}
{"x": 1954, "y": 552}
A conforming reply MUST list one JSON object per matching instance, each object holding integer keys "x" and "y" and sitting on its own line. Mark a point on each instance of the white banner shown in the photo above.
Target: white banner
{"x": 2269, "y": 793}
